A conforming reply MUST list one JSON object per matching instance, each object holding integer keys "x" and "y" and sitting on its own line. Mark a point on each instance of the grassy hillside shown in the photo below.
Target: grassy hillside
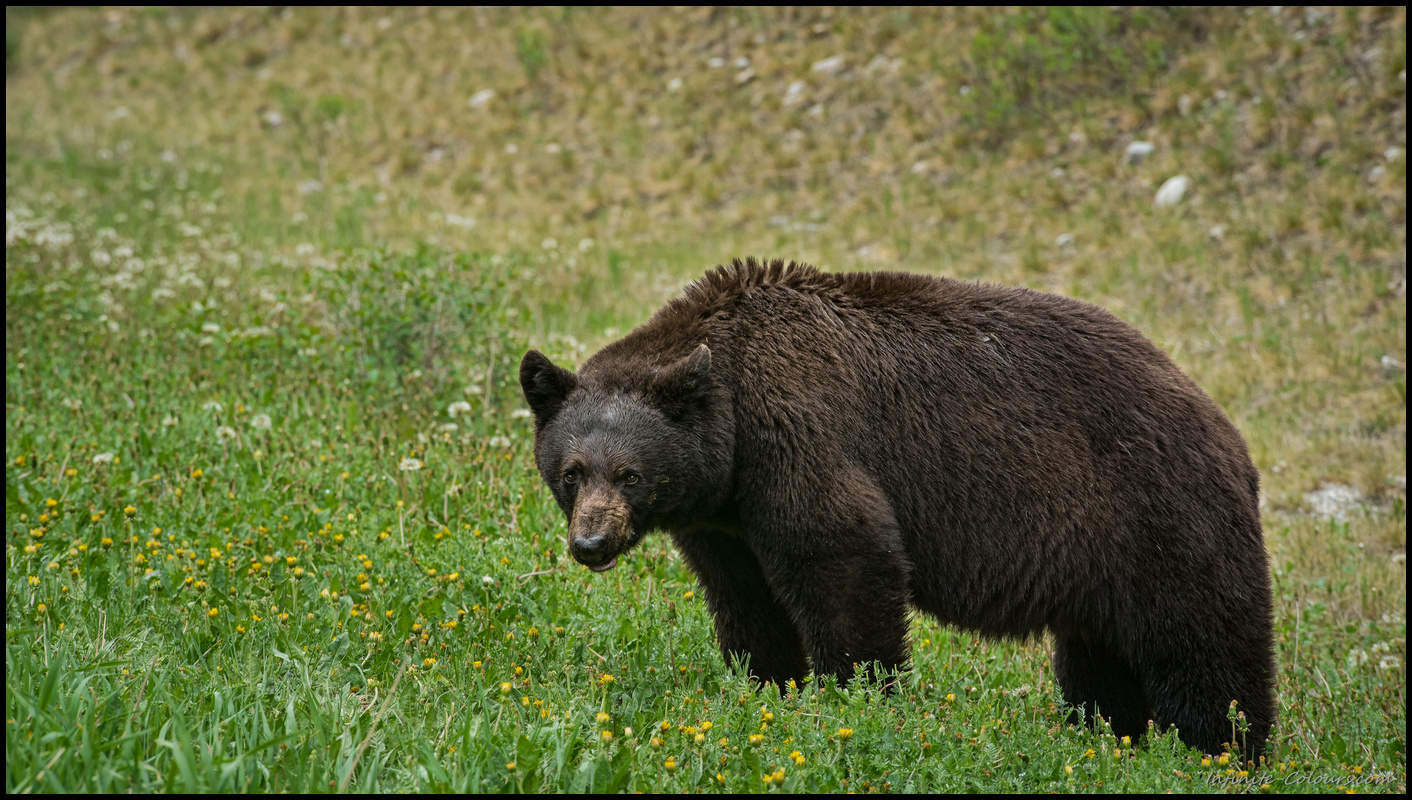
{"x": 272, "y": 520}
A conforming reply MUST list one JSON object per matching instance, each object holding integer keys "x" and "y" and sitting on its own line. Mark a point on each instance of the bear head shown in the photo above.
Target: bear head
{"x": 621, "y": 453}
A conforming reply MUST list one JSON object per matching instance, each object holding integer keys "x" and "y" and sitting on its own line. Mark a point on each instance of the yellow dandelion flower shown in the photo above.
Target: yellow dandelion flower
{"x": 845, "y": 733}
{"x": 213, "y": 612}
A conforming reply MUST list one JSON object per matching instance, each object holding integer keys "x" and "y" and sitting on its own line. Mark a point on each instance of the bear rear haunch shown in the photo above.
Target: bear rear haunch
{"x": 827, "y": 449}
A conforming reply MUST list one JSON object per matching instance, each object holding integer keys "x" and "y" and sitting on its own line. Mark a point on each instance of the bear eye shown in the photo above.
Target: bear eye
{"x": 571, "y": 476}
{"x": 630, "y": 478}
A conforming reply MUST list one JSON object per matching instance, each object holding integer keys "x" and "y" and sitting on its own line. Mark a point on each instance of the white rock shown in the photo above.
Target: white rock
{"x": 794, "y": 93}
{"x": 829, "y": 66}
{"x": 1137, "y": 151}
{"x": 481, "y": 99}
{"x": 1334, "y": 500}
{"x": 716, "y": 62}
{"x": 1172, "y": 191}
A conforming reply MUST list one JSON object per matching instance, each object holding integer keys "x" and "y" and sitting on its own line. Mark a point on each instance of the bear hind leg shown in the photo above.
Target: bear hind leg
{"x": 1196, "y": 697}
{"x": 1101, "y": 683}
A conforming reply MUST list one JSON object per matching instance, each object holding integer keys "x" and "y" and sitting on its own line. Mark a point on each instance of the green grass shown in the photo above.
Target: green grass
{"x": 213, "y": 603}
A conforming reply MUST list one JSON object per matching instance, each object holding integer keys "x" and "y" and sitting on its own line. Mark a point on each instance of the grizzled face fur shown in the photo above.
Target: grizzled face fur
{"x": 617, "y": 459}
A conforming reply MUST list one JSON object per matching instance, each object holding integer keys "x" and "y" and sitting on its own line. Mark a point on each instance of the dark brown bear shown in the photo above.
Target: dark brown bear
{"x": 826, "y": 449}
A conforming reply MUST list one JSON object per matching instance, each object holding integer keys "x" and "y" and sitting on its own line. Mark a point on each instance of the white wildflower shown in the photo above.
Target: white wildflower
{"x": 488, "y": 581}
{"x": 169, "y": 421}
{"x": 450, "y": 426}
{"x": 549, "y": 243}
{"x": 1356, "y": 658}
{"x": 212, "y": 405}
{"x": 210, "y": 327}
{"x": 1389, "y": 662}
{"x": 410, "y": 465}
{"x": 71, "y": 403}
{"x": 520, "y": 413}
{"x": 674, "y": 85}
{"x": 1064, "y": 240}
{"x": 310, "y": 186}
{"x": 585, "y": 245}
{"x": 103, "y": 458}
{"x": 458, "y": 407}
{"x": 225, "y": 433}
{"x": 499, "y": 441}
{"x": 261, "y": 422}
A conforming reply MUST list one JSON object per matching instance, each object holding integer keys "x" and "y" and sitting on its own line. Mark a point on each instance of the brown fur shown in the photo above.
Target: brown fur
{"x": 827, "y": 449}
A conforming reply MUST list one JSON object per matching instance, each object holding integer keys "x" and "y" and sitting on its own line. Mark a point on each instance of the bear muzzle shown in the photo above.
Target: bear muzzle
{"x": 599, "y": 530}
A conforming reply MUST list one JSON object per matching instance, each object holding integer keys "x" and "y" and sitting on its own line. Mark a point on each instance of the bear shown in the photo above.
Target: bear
{"x": 829, "y": 450}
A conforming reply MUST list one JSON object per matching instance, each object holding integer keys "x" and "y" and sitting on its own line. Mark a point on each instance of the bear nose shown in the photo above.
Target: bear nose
{"x": 591, "y": 549}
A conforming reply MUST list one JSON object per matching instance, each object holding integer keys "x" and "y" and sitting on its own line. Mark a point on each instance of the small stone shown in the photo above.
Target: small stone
{"x": 829, "y": 66}
{"x": 794, "y": 93}
{"x": 1137, "y": 151}
{"x": 1172, "y": 191}
{"x": 481, "y": 99}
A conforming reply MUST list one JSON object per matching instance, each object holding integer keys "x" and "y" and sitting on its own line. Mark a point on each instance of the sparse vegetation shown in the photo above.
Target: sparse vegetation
{"x": 271, "y": 517}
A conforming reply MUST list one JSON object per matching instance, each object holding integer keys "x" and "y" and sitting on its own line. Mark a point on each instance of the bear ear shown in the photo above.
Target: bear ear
{"x": 545, "y": 386}
{"x": 683, "y": 385}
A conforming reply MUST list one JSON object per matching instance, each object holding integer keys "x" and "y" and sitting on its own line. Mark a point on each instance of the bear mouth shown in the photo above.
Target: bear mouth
{"x": 607, "y": 566}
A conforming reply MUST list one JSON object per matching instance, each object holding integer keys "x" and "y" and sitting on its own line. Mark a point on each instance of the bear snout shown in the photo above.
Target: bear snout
{"x": 598, "y": 530}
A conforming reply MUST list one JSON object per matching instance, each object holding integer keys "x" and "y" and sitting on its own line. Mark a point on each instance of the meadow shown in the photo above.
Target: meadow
{"x": 272, "y": 518}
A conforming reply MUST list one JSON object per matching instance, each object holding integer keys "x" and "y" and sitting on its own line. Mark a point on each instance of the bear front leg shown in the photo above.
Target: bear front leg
{"x": 750, "y": 623}
{"x": 840, "y": 570}
{"x": 1099, "y": 681}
